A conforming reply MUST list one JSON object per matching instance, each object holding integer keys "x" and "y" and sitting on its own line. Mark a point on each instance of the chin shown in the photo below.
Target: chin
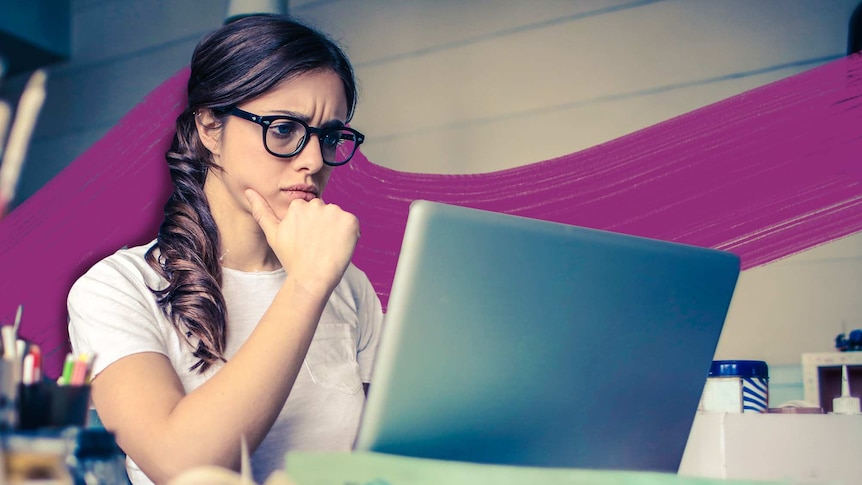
{"x": 279, "y": 209}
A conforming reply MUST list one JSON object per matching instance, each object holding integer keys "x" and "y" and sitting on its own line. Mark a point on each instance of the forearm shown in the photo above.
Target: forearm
{"x": 242, "y": 399}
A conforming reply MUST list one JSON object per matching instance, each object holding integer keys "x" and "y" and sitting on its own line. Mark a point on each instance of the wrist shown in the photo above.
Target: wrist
{"x": 311, "y": 288}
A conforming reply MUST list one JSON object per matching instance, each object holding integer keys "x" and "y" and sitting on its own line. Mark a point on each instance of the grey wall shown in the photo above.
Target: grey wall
{"x": 442, "y": 81}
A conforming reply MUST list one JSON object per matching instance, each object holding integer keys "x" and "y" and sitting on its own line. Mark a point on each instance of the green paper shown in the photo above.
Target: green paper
{"x": 367, "y": 468}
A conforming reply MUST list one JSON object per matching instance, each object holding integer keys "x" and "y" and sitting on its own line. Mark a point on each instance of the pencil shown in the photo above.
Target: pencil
{"x": 17, "y": 324}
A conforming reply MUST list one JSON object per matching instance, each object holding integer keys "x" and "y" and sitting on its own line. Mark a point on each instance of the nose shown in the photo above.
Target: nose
{"x": 310, "y": 158}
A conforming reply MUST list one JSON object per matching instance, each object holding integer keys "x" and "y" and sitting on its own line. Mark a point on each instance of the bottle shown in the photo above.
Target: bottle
{"x": 98, "y": 460}
{"x": 845, "y": 403}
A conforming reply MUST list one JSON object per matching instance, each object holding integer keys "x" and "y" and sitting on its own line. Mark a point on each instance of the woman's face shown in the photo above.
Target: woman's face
{"x": 237, "y": 145}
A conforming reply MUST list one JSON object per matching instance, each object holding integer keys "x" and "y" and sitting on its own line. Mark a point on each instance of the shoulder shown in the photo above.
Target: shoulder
{"x": 354, "y": 292}
{"x": 355, "y": 277}
{"x": 113, "y": 311}
{"x": 354, "y": 285}
{"x": 125, "y": 270}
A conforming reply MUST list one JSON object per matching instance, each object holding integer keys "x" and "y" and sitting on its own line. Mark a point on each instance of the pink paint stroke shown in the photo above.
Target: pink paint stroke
{"x": 765, "y": 174}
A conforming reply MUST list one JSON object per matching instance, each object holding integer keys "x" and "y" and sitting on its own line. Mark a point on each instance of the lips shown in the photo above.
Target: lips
{"x": 307, "y": 192}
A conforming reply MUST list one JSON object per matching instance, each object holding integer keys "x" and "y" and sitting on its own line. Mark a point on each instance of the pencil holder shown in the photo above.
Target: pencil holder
{"x": 9, "y": 369}
{"x": 47, "y": 405}
{"x": 70, "y": 405}
{"x": 34, "y": 405}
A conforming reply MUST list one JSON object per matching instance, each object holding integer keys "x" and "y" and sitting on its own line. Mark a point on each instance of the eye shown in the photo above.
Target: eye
{"x": 333, "y": 138}
{"x": 286, "y": 129}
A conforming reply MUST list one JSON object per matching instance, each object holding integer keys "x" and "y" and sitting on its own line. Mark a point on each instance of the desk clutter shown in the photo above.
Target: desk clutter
{"x": 830, "y": 375}
{"x": 43, "y": 422}
{"x": 736, "y": 434}
{"x": 742, "y": 386}
{"x": 62, "y": 456}
{"x": 28, "y": 400}
{"x": 810, "y": 449}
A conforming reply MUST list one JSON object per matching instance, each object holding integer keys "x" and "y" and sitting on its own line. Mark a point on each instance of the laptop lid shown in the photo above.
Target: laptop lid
{"x": 511, "y": 340}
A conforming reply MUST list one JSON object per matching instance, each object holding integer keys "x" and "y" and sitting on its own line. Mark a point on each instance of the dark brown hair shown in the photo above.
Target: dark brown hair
{"x": 240, "y": 61}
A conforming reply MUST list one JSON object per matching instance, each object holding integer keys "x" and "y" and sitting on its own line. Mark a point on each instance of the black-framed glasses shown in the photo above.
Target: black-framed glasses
{"x": 286, "y": 136}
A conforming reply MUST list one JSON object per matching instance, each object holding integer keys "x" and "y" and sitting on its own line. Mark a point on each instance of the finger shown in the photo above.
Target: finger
{"x": 262, "y": 212}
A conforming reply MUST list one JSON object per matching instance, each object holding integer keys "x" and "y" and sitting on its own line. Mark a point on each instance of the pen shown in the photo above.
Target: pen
{"x": 79, "y": 372}
{"x": 88, "y": 374}
{"x": 28, "y": 375}
{"x": 36, "y": 353}
{"x": 68, "y": 366}
{"x": 9, "y": 342}
{"x": 17, "y": 325}
{"x": 20, "y": 348}
{"x": 11, "y": 347}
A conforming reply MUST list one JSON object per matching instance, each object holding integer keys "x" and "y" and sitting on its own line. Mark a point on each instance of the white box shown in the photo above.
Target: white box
{"x": 821, "y": 449}
{"x": 812, "y": 363}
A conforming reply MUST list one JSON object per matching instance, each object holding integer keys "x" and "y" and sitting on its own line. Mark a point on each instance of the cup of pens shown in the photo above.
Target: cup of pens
{"x": 28, "y": 401}
{"x": 57, "y": 404}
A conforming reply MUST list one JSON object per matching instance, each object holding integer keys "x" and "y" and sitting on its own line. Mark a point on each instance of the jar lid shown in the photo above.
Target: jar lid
{"x": 739, "y": 368}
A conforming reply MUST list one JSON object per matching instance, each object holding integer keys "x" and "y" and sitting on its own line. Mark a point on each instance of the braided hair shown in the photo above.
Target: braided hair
{"x": 236, "y": 63}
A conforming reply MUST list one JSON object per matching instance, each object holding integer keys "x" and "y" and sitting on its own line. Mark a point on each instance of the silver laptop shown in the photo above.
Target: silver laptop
{"x": 510, "y": 340}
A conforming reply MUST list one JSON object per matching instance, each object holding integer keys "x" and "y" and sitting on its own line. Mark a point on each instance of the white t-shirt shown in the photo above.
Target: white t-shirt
{"x": 113, "y": 314}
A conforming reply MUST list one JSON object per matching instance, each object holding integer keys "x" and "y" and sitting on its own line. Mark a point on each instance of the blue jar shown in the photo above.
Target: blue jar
{"x": 736, "y": 386}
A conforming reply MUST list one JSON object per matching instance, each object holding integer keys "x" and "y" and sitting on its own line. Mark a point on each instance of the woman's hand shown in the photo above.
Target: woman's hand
{"x": 142, "y": 398}
{"x": 314, "y": 241}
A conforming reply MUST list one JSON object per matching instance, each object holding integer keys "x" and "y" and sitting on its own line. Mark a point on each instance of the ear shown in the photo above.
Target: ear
{"x": 209, "y": 130}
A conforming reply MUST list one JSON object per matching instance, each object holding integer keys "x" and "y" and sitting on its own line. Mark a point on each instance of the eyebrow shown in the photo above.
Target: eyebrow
{"x": 307, "y": 119}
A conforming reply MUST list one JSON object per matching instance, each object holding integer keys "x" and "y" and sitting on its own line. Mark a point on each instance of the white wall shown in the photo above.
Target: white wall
{"x": 445, "y": 84}
{"x": 798, "y": 304}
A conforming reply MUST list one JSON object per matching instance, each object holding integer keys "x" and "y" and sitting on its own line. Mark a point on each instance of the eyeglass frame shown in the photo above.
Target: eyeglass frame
{"x": 266, "y": 121}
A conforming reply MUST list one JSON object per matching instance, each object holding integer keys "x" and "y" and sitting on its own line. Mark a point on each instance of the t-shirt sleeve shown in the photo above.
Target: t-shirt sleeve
{"x": 370, "y": 315}
{"x": 112, "y": 314}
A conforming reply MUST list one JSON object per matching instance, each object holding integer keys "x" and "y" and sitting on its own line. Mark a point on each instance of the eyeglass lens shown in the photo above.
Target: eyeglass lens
{"x": 286, "y": 137}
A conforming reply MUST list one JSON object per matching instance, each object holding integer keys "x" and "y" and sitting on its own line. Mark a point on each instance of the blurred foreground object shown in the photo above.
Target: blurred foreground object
{"x": 19, "y": 137}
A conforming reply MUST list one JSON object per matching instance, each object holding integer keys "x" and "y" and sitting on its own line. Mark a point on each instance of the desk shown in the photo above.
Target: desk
{"x": 804, "y": 448}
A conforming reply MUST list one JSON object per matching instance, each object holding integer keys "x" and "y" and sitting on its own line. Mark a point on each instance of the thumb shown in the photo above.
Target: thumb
{"x": 262, "y": 212}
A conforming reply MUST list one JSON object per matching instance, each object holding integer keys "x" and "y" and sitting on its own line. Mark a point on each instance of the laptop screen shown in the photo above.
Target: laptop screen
{"x": 511, "y": 340}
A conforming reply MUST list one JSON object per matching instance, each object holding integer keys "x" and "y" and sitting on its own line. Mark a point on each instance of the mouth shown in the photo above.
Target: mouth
{"x": 306, "y": 192}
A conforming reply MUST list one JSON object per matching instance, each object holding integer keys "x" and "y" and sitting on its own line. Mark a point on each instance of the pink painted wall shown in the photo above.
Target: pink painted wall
{"x": 765, "y": 174}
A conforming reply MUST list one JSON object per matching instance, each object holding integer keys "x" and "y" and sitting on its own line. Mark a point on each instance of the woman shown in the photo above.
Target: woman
{"x": 244, "y": 318}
